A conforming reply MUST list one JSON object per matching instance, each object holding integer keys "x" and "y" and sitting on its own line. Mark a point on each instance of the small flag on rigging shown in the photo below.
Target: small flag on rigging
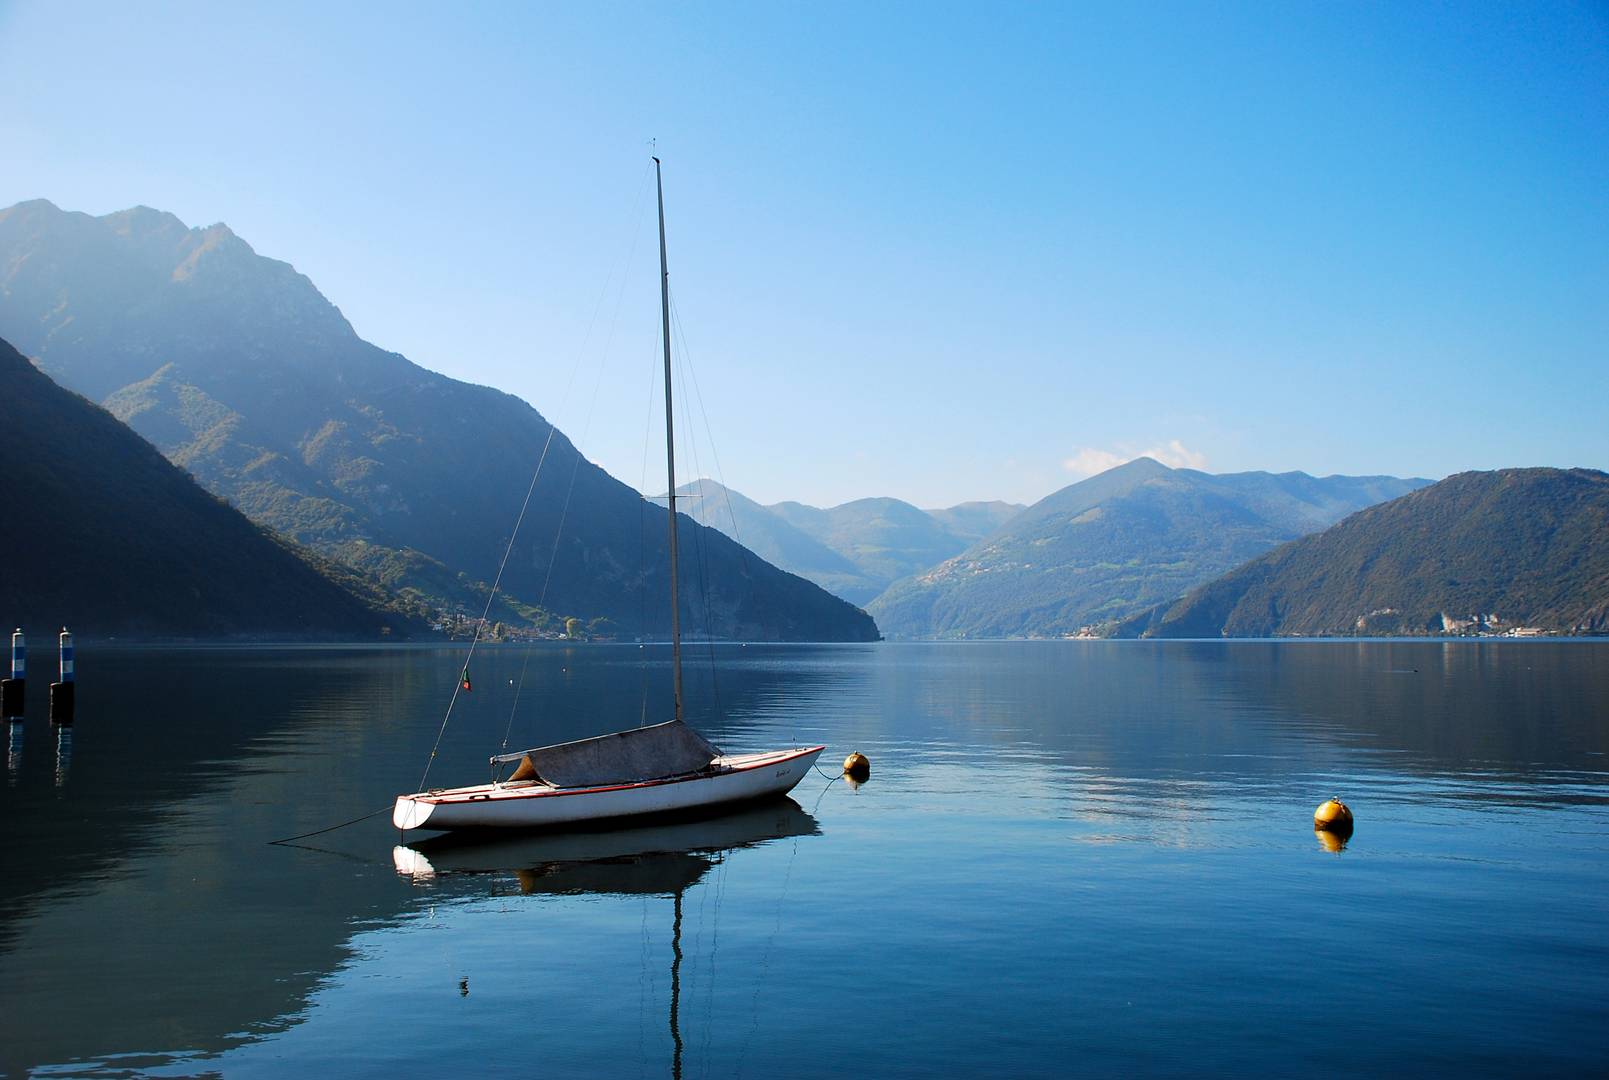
{"x": 466, "y": 679}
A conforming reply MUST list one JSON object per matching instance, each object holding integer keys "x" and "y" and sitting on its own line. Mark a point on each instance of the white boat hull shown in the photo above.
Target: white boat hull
{"x": 735, "y": 778}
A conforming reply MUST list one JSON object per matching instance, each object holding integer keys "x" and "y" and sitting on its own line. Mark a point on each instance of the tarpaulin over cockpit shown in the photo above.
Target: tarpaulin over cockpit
{"x": 623, "y": 757}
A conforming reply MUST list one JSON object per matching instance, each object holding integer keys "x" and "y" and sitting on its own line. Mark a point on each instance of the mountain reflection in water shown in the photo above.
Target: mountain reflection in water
{"x": 1091, "y": 852}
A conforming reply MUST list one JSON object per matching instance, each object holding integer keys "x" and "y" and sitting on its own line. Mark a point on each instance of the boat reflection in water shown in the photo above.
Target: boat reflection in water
{"x": 654, "y": 860}
{"x": 632, "y": 862}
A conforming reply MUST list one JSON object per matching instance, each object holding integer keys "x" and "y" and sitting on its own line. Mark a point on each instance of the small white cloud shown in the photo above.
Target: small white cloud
{"x": 1176, "y": 455}
{"x": 1090, "y": 461}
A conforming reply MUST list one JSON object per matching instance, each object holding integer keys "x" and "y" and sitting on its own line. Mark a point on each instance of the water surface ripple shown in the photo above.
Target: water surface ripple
{"x": 1091, "y": 857}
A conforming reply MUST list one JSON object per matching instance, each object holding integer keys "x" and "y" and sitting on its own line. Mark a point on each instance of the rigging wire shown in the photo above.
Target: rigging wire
{"x": 586, "y": 430}
{"x": 513, "y": 709}
{"x": 642, "y": 529}
{"x": 491, "y": 597}
{"x": 458, "y": 684}
{"x": 720, "y": 474}
{"x": 726, "y": 491}
{"x": 700, "y": 544}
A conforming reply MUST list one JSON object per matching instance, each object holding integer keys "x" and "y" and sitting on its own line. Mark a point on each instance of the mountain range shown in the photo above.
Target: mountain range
{"x": 240, "y": 371}
{"x": 853, "y": 550}
{"x": 388, "y": 493}
{"x": 1106, "y": 548}
{"x": 103, "y": 534}
{"x": 1477, "y": 552}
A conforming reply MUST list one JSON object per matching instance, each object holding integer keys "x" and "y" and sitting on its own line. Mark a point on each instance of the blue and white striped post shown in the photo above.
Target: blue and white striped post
{"x": 13, "y": 691}
{"x": 61, "y": 693}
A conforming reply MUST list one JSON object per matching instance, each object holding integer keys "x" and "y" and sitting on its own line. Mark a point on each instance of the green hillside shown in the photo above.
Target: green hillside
{"x": 1105, "y": 548}
{"x": 102, "y": 534}
{"x": 854, "y": 550}
{"x": 972, "y": 521}
{"x": 775, "y": 539}
{"x": 885, "y": 538}
{"x": 1480, "y": 552}
{"x": 888, "y": 539}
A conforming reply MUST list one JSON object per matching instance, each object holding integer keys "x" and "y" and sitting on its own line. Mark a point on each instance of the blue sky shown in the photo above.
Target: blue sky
{"x": 931, "y": 251}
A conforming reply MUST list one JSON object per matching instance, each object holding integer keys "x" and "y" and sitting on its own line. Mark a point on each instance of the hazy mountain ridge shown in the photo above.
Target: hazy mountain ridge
{"x": 102, "y": 533}
{"x": 1100, "y": 550}
{"x": 854, "y": 550}
{"x": 975, "y": 520}
{"x": 774, "y": 538}
{"x": 1477, "y": 552}
{"x": 237, "y": 367}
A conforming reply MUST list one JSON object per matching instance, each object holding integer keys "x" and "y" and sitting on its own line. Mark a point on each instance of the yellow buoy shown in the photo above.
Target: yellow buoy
{"x": 857, "y": 767}
{"x": 1333, "y": 816}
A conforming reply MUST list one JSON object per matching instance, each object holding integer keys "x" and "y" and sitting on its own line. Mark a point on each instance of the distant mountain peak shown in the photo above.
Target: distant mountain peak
{"x": 246, "y": 375}
{"x": 34, "y": 206}
{"x": 1131, "y": 473}
{"x": 112, "y": 290}
{"x": 144, "y": 222}
{"x": 1094, "y": 551}
{"x": 218, "y": 242}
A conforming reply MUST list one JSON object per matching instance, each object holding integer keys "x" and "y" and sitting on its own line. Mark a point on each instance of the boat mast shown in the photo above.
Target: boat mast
{"x": 670, "y": 450}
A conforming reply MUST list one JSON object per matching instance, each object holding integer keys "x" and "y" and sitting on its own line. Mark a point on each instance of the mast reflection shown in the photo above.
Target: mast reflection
{"x": 655, "y": 860}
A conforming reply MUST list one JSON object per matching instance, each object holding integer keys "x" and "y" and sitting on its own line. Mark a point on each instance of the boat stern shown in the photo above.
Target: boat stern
{"x": 411, "y": 812}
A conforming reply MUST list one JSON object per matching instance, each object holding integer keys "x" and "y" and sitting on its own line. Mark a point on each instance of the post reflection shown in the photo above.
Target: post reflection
{"x": 64, "y": 754}
{"x": 14, "y": 752}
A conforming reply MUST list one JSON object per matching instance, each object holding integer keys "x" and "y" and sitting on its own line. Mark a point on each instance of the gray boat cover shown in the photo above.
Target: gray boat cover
{"x": 624, "y": 757}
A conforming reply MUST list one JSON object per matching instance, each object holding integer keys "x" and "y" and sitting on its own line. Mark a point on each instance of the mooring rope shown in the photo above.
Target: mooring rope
{"x": 332, "y": 828}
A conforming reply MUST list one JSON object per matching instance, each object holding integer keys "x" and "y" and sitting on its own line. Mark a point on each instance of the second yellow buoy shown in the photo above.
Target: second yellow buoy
{"x": 857, "y": 767}
{"x": 1333, "y": 816}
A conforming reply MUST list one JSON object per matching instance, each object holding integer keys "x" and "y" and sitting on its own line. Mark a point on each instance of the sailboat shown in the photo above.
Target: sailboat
{"x": 665, "y": 768}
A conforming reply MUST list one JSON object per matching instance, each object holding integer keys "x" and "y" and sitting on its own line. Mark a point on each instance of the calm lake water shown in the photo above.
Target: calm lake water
{"x": 1072, "y": 857}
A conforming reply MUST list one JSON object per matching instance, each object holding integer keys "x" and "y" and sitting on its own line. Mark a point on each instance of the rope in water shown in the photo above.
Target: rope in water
{"x": 332, "y": 828}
